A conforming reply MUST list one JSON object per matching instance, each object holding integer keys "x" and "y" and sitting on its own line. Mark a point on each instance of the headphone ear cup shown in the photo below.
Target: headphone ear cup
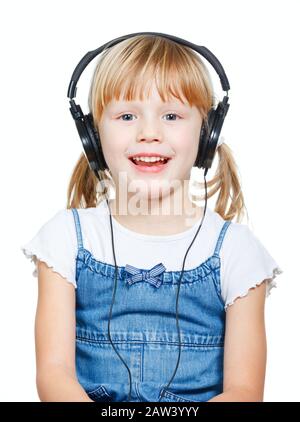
{"x": 210, "y": 135}
{"x": 204, "y": 139}
{"x": 96, "y": 154}
{"x": 218, "y": 117}
{"x": 87, "y": 144}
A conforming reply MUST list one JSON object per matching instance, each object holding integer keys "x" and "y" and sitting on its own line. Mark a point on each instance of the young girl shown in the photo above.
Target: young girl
{"x": 129, "y": 335}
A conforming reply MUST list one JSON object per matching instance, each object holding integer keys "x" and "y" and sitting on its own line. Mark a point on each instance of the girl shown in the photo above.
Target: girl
{"x": 107, "y": 332}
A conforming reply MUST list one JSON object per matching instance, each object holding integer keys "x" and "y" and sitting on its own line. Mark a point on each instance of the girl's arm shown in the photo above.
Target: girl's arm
{"x": 55, "y": 339}
{"x": 245, "y": 348}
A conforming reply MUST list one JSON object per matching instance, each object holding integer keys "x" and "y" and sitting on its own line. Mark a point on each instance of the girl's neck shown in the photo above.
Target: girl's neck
{"x": 156, "y": 221}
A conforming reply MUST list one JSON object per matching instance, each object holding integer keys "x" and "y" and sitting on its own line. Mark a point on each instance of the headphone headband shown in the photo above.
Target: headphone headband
{"x": 89, "y": 56}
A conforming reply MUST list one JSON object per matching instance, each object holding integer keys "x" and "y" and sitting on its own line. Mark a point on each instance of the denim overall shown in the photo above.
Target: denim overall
{"x": 143, "y": 330}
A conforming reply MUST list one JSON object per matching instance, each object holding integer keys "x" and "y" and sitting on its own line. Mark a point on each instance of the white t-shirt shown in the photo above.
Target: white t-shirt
{"x": 245, "y": 262}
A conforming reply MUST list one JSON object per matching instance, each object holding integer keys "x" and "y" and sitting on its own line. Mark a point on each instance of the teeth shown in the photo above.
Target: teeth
{"x": 148, "y": 159}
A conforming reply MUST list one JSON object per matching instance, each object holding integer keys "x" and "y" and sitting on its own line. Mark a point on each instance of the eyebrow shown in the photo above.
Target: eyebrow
{"x": 138, "y": 103}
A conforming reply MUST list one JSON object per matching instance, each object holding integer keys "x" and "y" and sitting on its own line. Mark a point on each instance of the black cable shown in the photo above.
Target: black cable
{"x": 114, "y": 293}
{"x": 178, "y": 289}
{"x": 110, "y": 313}
{"x": 177, "y": 297}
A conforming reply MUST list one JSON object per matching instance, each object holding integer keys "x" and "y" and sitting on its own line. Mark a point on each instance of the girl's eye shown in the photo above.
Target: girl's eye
{"x": 172, "y": 114}
{"x": 129, "y": 114}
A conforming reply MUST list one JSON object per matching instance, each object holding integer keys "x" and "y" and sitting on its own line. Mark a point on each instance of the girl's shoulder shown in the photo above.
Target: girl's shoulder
{"x": 54, "y": 243}
{"x": 246, "y": 263}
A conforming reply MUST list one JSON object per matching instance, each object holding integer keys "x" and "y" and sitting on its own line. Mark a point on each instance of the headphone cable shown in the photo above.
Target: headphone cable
{"x": 178, "y": 289}
{"x": 177, "y": 296}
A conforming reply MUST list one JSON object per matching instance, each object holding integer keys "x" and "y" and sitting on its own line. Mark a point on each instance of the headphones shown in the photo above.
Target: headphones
{"x": 208, "y": 142}
{"x": 90, "y": 138}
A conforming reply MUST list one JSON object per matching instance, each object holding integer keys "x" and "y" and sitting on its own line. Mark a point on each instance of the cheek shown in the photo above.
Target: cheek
{"x": 113, "y": 142}
{"x": 185, "y": 137}
{"x": 186, "y": 146}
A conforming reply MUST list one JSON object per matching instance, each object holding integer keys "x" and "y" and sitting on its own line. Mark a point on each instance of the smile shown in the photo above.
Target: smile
{"x": 149, "y": 167}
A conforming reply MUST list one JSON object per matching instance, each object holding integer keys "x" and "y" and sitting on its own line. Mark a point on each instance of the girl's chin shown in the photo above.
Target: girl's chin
{"x": 154, "y": 192}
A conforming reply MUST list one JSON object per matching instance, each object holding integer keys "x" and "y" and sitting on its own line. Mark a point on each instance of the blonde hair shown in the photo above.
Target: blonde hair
{"x": 123, "y": 72}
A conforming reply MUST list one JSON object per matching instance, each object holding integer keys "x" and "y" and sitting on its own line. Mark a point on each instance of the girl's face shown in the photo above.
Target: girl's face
{"x": 171, "y": 129}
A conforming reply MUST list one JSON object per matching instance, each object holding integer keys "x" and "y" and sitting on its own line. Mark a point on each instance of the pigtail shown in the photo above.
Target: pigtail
{"x": 84, "y": 188}
{"x": 230, "y": 186}
{"x": 226, "y": 182}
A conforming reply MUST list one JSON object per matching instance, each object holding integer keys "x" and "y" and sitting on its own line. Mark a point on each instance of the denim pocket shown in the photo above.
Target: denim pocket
{"x": 99, "y": 394}
{"x": 173, "y": 397}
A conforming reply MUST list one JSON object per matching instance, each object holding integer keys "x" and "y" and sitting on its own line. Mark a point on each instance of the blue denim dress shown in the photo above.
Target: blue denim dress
{"x": 143, "y": 329}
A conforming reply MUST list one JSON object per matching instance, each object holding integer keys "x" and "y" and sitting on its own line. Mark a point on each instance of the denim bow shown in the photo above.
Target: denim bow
{"x": 153, "y": 276}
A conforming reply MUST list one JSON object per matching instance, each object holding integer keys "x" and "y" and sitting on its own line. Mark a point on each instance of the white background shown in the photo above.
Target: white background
{"x": 42, "y": 42}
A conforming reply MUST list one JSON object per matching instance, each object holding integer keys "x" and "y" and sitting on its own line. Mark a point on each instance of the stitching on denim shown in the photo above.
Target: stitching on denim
{"x": 176, "y": 343}
{"x": 221, "y": 238}
{"x": 121, "y": 268}
{"x": 100, "y": 391}
{"x": 142, "y": 362}
{"x": 78, "y": 228}
{"x": 176, "y": 397}
{"x": 137, "y": 392}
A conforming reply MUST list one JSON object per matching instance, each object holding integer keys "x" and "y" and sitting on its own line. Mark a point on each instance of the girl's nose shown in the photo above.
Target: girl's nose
{"x": 150, "y": 131}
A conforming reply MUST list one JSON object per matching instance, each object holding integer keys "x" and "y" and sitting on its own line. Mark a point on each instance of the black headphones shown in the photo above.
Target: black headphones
{"x": 209, "y": 134}
{"x": 208, "y": 142}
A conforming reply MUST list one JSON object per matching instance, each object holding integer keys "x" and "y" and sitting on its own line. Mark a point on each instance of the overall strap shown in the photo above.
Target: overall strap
{"x": 78, "y": 227}
{"x": 221, "y": 237}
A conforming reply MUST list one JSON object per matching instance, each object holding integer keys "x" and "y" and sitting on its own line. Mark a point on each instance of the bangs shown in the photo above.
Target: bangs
{"x": 127, "y": 70}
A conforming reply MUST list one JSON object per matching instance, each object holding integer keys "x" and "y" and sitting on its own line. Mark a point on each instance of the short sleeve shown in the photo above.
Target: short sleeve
{"x": 245, "y": 263}
{"x": 55, "y": 244}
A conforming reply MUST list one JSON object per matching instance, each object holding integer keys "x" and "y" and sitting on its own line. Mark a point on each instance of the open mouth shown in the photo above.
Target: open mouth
{"x": 150, "y": 167}
{"x": 149, "y": 164}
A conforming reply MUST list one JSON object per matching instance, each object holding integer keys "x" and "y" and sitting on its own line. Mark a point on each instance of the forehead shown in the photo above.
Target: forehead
{"x": 138, "y": 103}
{"x": 150, "y": 96}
